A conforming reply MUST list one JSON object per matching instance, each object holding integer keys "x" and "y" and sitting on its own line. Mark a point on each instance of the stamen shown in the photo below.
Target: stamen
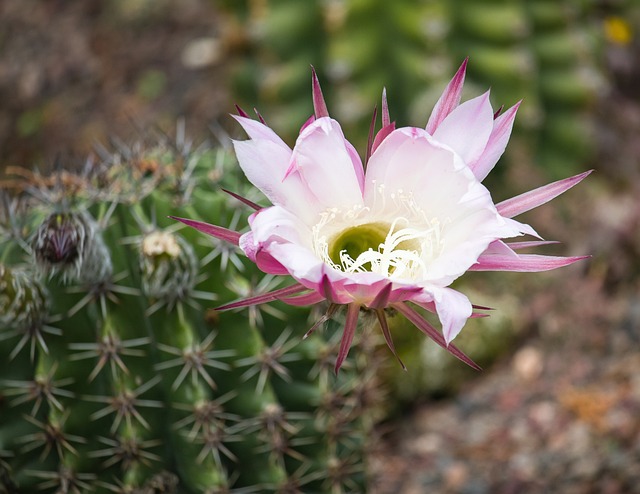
{"x": 388, "y": 260}
{"x": 405, "y": 253}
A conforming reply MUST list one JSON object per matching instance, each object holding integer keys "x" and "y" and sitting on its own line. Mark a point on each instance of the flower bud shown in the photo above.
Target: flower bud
{"x": 69, "y": 244}
{"x": 23, "y": 300}
{"x": 168, "y": 265}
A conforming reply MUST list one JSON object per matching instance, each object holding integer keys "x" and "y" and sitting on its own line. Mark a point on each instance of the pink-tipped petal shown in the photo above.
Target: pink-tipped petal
{"x": 264, "y": 160}
{"x": 524, "y": 263}
{"x": 255, "y": 251}
{"x": 213, "y": 230}
{"x": 328, "y": 165}
{"x": 264, "y": 163}
{"x": 499, "y": 247}
{"x": 279, "y": 224}
{"x": 497, "y": 143}
{"x": 264, "y": 260}
{"x": 523, "y": 228}
{"x": 384, "y": 326}
{"x": 350, "y": 325}
{"x": 449, "y": 100}
{"x": 418, "y": 321}
{"x": 467, "y": 128}
{"x": 267, "y": 264}
{"x": 264, "y": 297}
{"x": 453, "y": 309}
{"x": 319, "y": 105}
{"x": 258, "y": 130}
{"x": 537, "y": 197}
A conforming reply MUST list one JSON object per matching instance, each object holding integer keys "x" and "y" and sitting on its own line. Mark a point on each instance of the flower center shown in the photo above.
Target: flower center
{"x": 392, "y": 237}
{"x": 380, "y": 248}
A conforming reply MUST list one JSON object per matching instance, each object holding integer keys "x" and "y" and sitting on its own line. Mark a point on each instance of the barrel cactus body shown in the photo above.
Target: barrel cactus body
{"x": 119, "y": 376}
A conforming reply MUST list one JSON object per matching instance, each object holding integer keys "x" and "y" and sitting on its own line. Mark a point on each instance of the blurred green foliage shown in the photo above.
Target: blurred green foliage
{"x": 546, "y": 52}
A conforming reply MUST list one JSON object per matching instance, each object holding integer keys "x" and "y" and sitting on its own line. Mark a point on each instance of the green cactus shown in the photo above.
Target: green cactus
{"x": 117, "y": 375}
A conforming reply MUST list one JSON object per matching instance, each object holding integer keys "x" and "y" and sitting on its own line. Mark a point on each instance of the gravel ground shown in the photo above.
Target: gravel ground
{"x": 559, "y": 416}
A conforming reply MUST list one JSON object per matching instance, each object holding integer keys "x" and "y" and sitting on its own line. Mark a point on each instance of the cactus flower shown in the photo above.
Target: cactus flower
{"x": 394, "y": 232}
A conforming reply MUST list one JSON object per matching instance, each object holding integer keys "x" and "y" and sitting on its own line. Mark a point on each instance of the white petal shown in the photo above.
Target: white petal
{"x": 496, "y": 145}
{"x": 453, "y": 309}
{"x": 264, "y": 162}
{"x": 467, "y": 128}
{"x": 409, "y": 160}
{"x": 257, "y": 130}
{"x": 412, "y": 165}
{"x": 277, "y": 224}
{"x": 327, "y": 164}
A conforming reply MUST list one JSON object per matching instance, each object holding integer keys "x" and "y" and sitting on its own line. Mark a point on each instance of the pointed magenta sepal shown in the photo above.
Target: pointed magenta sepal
{"x": 241, "y": 112}
{"x": 449, "y": 100}
{"x": 243, "y": 200}
{"x": 372, "y": 129}
{"x": 213, "y": 230}
{"x": 351, "y": 322}
{"x": 319, "y": 105}
{"x": 537, "y": 197}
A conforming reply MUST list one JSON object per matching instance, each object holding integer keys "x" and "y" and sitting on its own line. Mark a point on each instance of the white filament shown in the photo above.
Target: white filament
{"x": 388, "y": 260}
{"x": 421, "y": 237}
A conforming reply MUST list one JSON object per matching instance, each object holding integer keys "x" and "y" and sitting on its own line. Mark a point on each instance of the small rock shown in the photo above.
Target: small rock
{"x": 426, "y": 444}
{"x": 456, "y": 476}
{"x": 201, "y": 52}
{"x": 528, "y": 364}
{"x": 543, "y": 414}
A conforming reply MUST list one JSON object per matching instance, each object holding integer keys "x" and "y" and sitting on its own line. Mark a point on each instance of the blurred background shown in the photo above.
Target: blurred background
{"x": 557, "y": 407}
